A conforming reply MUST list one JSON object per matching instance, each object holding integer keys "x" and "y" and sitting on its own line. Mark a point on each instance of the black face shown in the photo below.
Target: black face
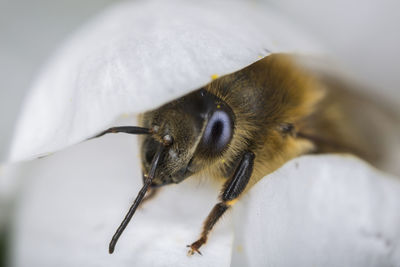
{"x": 167, "y": 172}
{"x": 201, "y": 126}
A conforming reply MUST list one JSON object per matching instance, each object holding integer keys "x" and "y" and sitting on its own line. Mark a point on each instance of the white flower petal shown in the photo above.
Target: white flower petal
{"x": 320, "y": 211}
{"x": 139, "y": 55}
{"x": 341, "y": 213}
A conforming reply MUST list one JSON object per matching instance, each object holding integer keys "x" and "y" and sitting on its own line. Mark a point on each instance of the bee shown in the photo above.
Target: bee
{"x": 239, "y": 128}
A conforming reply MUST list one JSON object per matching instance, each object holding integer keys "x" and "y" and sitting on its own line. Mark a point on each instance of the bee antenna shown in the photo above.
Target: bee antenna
{"x": 149, "y": 178}
{"x": 124, "y": 129}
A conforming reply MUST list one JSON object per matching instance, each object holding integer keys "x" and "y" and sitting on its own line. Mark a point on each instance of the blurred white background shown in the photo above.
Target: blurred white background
{"x": 363, "y": 35}
{"x": 30, "y": 31}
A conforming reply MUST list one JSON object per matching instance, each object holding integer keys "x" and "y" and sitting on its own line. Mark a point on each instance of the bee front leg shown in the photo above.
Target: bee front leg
{"x": 229, "y": 194}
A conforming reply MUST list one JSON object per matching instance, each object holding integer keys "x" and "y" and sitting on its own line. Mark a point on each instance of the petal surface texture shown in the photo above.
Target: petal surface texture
{"x": 320, "y": 211}
{"x": 139, "y": 55}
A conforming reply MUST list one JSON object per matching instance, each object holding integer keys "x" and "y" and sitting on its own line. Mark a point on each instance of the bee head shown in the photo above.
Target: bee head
{"x": 197, "y": 126}
{"x": 180, "y": 139}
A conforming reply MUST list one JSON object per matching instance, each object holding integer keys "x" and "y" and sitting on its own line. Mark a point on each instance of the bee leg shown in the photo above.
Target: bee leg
{"x": 230, "y": 192}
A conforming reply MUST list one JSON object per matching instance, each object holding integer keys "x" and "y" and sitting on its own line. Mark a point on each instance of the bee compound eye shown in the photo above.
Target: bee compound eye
{"x": 218, "y": 132}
